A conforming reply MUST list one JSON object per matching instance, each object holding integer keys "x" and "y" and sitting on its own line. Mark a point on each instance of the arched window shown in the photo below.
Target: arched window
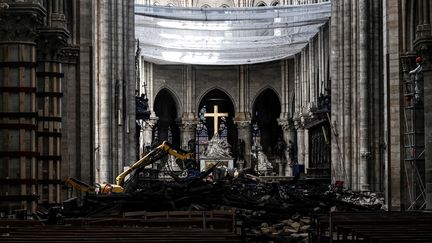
{"x": 156, "y": 4}
{"x": 261, "y": 4}
{"x": 170, "y": 5}
{"x": 224, "y": 6}
{"x": 205, "y": 6}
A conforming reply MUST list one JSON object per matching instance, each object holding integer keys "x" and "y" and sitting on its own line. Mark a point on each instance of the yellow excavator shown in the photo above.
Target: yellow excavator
{"x": 184, "y": 159}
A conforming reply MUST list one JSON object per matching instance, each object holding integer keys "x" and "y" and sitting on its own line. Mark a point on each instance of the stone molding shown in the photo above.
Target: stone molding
{"x": 20, "y": 21}
{"x": 69, "y": 54}
{"x": 242, "y": 124}
{"x": 188, "y": 125}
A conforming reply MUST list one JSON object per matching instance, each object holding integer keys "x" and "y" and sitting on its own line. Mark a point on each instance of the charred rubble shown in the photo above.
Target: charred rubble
{"x": 278, "y": 211}
{"x": 204, "y": 192}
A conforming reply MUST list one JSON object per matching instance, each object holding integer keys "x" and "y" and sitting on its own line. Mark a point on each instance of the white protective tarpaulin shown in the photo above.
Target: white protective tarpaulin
{"x": 226, "y": 36}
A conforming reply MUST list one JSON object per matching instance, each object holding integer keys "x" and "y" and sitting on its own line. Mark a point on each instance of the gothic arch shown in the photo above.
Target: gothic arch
{"x": 259, "y": 92}
{"x": 225, "y": 104}
{"x": 212, "y": 89}
{"x": 261, "y": 4}
{"x": 167, "y": 110}
{"x": 174, "y": 95}
{"x": 266, "y": 110}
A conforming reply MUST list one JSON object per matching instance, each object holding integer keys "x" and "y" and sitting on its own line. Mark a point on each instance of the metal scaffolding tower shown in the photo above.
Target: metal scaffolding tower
{"x": 414, "y": 148}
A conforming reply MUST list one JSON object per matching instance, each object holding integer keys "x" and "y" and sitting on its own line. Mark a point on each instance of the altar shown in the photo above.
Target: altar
{"x": 208, "y": 163}
{"x": 218, "y": 149}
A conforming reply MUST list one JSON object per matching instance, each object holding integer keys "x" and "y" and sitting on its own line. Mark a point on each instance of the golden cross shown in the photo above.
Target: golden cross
{"x": 215, "y": 116}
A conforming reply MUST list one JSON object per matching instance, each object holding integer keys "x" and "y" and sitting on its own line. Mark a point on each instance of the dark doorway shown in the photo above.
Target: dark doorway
{"x": 266, "y": 111}
{"x": 227, "y": 128}
{"x": 166, "y": 110}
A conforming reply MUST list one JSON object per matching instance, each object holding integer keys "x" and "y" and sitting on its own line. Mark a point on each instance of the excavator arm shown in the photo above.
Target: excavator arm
{"x": 184, "y": 160}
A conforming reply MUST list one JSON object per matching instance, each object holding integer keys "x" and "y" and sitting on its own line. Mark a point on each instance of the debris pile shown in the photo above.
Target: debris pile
{"x": 244, "y": 192}
{"x": 366, "y": 199}
{"x": 264, "y": 227}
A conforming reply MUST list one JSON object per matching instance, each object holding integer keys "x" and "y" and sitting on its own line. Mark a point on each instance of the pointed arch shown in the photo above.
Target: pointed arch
{"x": 224, "y": 101}
{"x": 167, "y": 110}
{"x": 200, "y": 98}
{"x": 266, "y": 110}
{"x": 267, "y": 87}
{"x": 175, "y": 97}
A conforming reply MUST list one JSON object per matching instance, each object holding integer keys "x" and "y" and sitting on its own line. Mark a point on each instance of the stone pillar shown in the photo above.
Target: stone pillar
{"x": 188, "y": 120}
{"x": 49, "y": 82}
{"x": 244, "y": 132}
{"x": 187, "y": 132}
{"x": 300, "y": 141}
{"x": 114, "y": 68}
{"x": 146, "y": 135}
{"x": 71, "y": 126}
{"x": 18, "y": 114}
{"x": 423, "y": 29}
{"x": 289, "y": 136}
{"x": 243, "y": 117}
{"x": 365, "y": 153}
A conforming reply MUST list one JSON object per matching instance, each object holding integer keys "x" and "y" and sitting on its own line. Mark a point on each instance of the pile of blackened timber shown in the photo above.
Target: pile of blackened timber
{"x": 244, "y": 193}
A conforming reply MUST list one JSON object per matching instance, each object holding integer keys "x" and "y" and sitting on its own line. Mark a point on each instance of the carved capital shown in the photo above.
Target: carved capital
{"x": 242, "y": 124}
{"x": 188, "y": 125}
{"x": 50, "y": 43}
{"x": 148, "y": 125}
{"x": 19, "y": 21}
{"x": 286, "y": 124}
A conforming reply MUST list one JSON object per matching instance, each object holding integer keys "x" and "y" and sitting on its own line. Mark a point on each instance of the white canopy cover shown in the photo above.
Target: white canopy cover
{"x": 226, "y": 36}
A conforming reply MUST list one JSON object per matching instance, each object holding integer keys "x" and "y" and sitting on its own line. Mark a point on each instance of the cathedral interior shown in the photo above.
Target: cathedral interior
{"x": 334, "y": 91}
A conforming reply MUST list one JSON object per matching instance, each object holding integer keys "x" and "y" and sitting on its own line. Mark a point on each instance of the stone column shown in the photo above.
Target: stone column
{"x": 347, "y": 89}
{"x": 71, "y": 126}
{"x": 300, "y": 142}
{"x": 244, "y": 132}
{"x": 243, "y": 117}
{"x": 187, "y": 132}
{"x": 49, "y": 82}
{"x": 289, "y": 136}
{"x": 114, "y": 48}
{"x": 423, "y": 27}
{"x": 188, "y": 120}
{"x": 365, "y": 153}
{"x": 146, "y": 135}
{"x": 18, "y": 114}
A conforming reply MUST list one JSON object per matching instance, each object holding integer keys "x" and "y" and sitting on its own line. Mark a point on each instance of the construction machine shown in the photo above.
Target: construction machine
{"x": 185, "y": 160}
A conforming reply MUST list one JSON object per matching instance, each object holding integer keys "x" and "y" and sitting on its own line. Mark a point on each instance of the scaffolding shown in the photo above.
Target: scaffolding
{"x": 414, "y": 144}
